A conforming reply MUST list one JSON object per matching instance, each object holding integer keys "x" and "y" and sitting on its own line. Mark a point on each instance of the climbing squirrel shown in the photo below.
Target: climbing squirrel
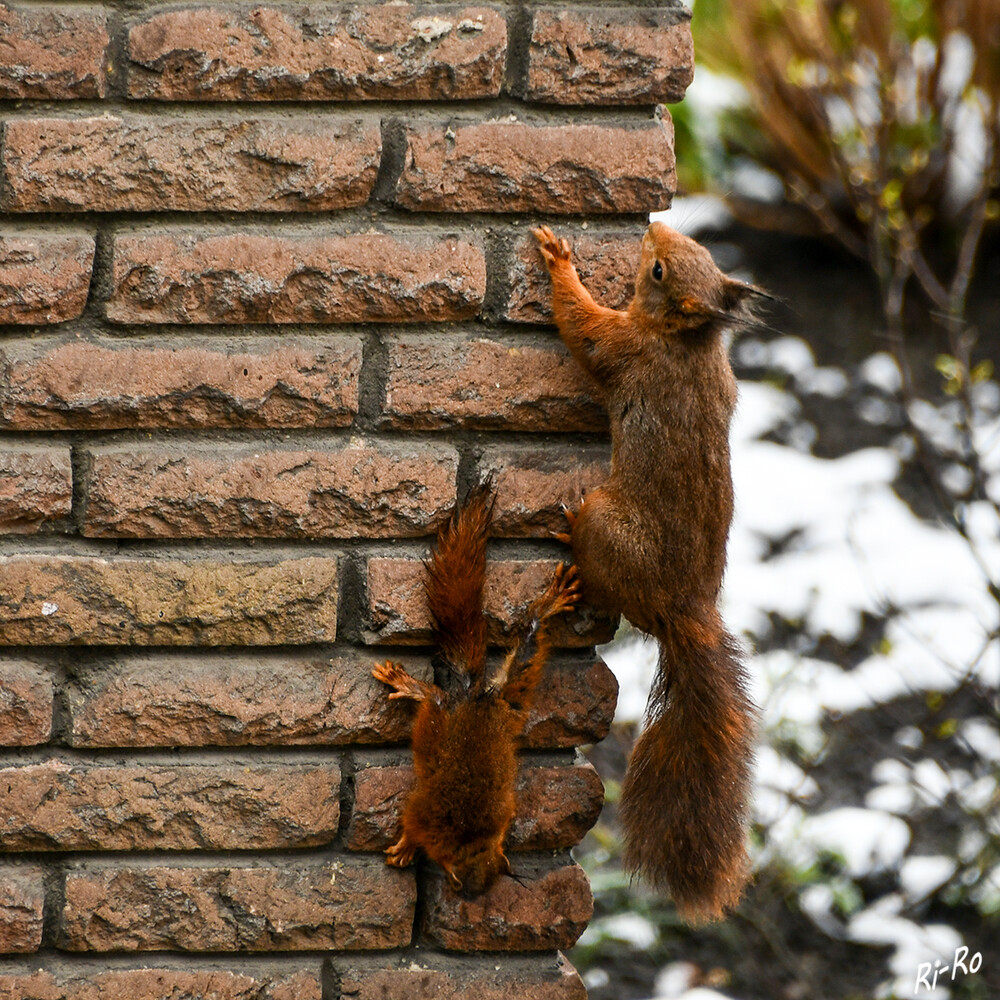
{"x": 464, "y": 743}
{"x": 650, "y": 543}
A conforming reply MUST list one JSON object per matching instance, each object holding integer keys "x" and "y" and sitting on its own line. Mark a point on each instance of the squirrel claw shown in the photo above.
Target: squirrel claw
{"x": 401, "y": 854}
{"x": 562, "y": 536}
{"x": 553, "y": 249}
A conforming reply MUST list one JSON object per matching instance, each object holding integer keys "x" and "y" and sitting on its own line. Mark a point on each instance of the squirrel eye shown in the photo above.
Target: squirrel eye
{"x": 658, "y": 271}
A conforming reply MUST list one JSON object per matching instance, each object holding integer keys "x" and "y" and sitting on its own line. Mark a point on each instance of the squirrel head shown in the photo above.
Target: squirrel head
{"x": 477, "y": 865}
{"x": 679, "y": 287}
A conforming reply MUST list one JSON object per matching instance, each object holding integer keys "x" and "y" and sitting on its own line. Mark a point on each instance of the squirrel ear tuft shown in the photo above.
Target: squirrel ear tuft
{"x": 735, "y": 293}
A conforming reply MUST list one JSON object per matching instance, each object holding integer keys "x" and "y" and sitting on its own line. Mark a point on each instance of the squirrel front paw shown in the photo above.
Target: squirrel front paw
{"x": 552, "y": 248}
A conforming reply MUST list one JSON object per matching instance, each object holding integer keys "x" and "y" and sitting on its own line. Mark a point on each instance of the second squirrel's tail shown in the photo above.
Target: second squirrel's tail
{"x": 454, "y": 580}
{"x": 684, "y": 800}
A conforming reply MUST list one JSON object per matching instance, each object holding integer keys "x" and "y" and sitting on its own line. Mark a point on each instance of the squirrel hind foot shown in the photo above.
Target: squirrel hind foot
{"x": 401, "y": 854}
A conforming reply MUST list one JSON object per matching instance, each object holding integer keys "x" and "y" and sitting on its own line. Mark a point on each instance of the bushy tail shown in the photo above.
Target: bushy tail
{"x": 684, "y": 800}
{"x": 454, "y": 582}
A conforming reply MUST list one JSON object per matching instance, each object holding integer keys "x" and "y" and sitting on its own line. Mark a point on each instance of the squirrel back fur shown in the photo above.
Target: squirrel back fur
{"x": 650, "y": 543}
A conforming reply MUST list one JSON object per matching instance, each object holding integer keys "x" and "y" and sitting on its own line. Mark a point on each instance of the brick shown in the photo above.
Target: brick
{"x": 158, "y": 984}
{"x": 607, "y": 265}
{"x": 22, "y": 902}
{"x": 131, "y": 384}
{"x": 243, "y": 278}
{"x": 542, "y": 912}
{"x": 44, "y": 277}
{"x": 52, "y": 53}
{"x": 26, "y": 696}
{"x": 263, "y": 699}
{"x": 447, "y": 380}
{"x": 607, "y": 56}
{"x": 138, "y": 601}
{"x": 36, "y": 489}
{"x": 84, "y": 807}
{"x": 359, "y": 490}
{"x": 397, "y": 610}
{"x": 558, "y": 169}
{"x": 112, "y": 164}
{"x": 236, "y": 908}
{"x": 329, "y": 54}
{"x": 536, "y": 484}
{"x": 574, "y": 705}
{"x": 546, "y": 979}
{"x": 556, "y": 806}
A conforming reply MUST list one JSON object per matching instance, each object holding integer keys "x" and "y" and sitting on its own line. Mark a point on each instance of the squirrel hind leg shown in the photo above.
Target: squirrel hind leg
{"x": 402, "y": 853}
{"x": 405, "y": 686}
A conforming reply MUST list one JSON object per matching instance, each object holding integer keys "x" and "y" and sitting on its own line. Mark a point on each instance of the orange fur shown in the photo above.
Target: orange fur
{"x": 650, "y": 543}
{"x": 464, "y": 747}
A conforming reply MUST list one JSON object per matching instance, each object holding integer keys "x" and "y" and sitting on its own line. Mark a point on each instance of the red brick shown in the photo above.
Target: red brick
{"x": 245, "y": 278}
{"x": 384, "y": 51}
{"x": 141, "y": 601}
{"x": 22, "y": 902}
{"x": 158, "y": 984}
{"x": 543, "y": 911}
{"x": 52, "y": 53}
{"x": 264, "y": 699}
{"x": 111, "y": 164}
{"x": 535, "y": 485}
{"x": 559, "y": 169}
{"x": 36, "y": 489}
{"x": 84, "y": 807}
{"x": 446, "y": 380}
{"x": 44, "y": 277}
{"x": 574, "y": 705}
{"x": 397, "y": 610}
{"x": 607, "y": 265}
{"x": 608, "y": 56}
{"x": 26, "y": 696}
{"x": 545, "y": 979}
{"x": 359, "y": 490}
{"x": 200, "y": 383}
{"x": 304, "y": 907}
{"x": 556, "y": 806}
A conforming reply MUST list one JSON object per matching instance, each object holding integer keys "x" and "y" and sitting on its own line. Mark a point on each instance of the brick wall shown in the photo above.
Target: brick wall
{"x": 268, "y": 302}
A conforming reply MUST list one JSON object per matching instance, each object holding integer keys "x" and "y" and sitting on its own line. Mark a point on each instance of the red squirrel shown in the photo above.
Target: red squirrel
{"x": 650, "y": 543}
{"x": 464, "y": 745}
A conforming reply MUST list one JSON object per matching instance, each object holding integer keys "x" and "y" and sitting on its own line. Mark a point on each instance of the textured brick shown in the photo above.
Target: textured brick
{"x": 556, "y": 806}
{"x": 607, "y": 265}
{"x": 26, "y": 695}
{"x": 535, "y": 485}
{"x": 161, "y": 984}
{"x": 561, "y": 169}
{"x": 397, "y": 609}
{"x": 546, "y": 910}
{"x": 549, "y": 979}
{"x": 83, "y": 807}
{"x": 132, "y": 384}
{"x": 22, "y": 900}
{"x": 574, "y": 705}
{"x": 229, "y": 700}
{"x": 447, "y": 380}
{"x": 140, "y": 601}
{"x": 608, "y": 56}
{"x": 44, "y": 277}
{"x": 111, "y": 164}
{"x": 360, "y": 490}
{"x": 236, "y": 908}
{"x": 243, "y": 278}
{"x": 385, "y": 51}
{"x": 52, "y": 53}
{"x": 36, "y": 488}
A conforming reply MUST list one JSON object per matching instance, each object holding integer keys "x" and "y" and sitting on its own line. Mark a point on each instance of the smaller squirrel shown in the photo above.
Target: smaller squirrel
{"x": 650, "y": 543}
{"x": 464, "y": 745}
